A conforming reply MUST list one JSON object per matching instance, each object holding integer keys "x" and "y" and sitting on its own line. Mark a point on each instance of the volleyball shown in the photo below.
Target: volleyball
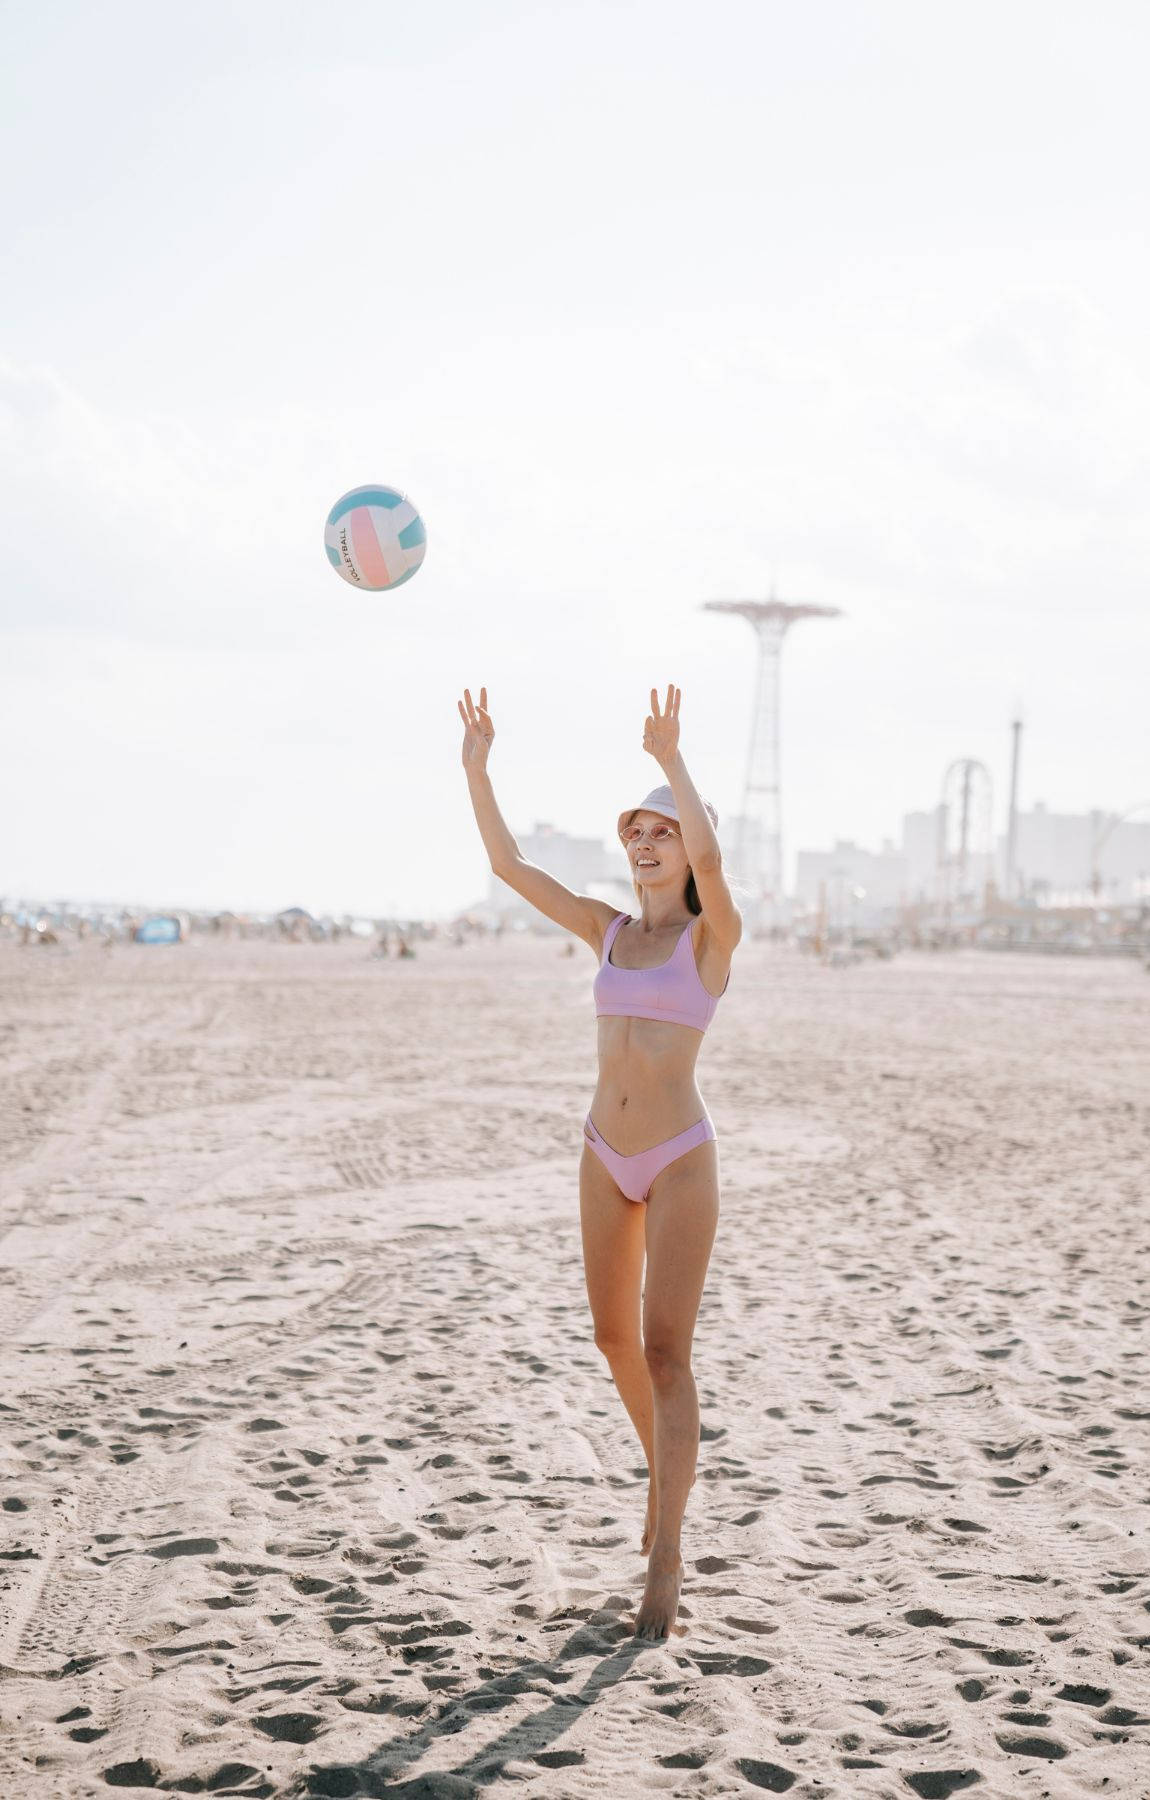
{"x": 375, "y": 538}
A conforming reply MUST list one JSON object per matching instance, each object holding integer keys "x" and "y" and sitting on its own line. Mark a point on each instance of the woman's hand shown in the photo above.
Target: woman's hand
{"x": 661, "y": 732}
{"x": 478, "y": 731}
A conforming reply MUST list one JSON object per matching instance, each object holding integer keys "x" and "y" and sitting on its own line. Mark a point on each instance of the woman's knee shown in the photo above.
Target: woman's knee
{"x": 668, "y": 1358}
{"x": 615, "y": 1343}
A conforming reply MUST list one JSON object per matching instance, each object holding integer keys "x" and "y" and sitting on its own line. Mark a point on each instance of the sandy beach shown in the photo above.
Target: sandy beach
{"x": 315, "y": 1483}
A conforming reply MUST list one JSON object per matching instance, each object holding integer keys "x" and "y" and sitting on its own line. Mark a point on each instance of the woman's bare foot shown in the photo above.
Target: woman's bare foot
{"x": 660, "y": 1601}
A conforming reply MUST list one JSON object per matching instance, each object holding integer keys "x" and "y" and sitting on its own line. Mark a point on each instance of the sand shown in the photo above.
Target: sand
{"x": 315, "y": 1482}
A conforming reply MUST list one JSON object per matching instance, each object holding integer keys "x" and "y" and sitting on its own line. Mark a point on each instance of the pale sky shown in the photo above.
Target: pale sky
{"x": 642, "y": 304}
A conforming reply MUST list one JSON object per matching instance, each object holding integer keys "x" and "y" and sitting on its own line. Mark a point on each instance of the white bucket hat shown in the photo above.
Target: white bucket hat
{"x": 662, "y": 800}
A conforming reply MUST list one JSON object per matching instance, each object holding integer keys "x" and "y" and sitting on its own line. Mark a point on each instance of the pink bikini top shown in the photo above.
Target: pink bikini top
{"x": 671, "y": 990}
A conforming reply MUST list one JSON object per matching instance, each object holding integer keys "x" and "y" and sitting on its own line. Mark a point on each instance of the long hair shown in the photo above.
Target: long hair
{"x": 690, "y": 893}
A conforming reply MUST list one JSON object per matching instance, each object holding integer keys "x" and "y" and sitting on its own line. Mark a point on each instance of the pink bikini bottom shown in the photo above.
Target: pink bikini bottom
{"x": 633, "y": 1175}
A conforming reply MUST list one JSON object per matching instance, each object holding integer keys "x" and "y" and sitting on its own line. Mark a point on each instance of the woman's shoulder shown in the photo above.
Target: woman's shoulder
{"x": 607, "y": 918}
{"x": 609, "y": 914}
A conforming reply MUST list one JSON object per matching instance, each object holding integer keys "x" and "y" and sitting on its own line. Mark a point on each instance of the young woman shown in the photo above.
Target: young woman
{"x": 649, "y": 1176}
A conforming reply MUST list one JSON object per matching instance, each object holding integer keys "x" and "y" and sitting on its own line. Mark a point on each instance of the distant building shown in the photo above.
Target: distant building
{"x": 854, "y": 881}
{"x": 1057, "y": 855}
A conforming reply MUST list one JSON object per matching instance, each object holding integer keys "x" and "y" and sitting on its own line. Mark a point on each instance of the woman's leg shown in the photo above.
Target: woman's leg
{"x": 613, "y": 1232}
{"x": 682, "y": 1217}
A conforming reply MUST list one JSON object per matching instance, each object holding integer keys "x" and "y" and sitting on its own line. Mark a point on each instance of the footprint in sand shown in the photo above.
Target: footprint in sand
{"x": 772, "y": 1777}
{"x": 731, "y": 1665}
{"x": 939, "y": 1784}
{"x": 1048, "y": 1748}
{"x": 290, "y": 1728}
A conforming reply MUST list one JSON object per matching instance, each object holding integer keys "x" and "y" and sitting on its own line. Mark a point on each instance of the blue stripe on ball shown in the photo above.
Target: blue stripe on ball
{"x": 365, "y": 496}
{"x": 333, "y": 557}
{"x": 412, "y": 535}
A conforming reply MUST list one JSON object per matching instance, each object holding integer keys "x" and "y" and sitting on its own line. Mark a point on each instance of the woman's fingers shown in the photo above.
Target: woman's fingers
{"x": 477, "y": 721}
{"x": 670, "y": 706}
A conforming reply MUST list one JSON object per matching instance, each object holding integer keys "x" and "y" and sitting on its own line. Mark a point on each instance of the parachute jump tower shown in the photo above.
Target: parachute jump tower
{"x": 762, "y": 799}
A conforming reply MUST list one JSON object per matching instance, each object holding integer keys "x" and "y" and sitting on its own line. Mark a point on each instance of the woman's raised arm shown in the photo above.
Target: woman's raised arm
{"x": 579, "y": 913}
{"x": 661, "y": 740}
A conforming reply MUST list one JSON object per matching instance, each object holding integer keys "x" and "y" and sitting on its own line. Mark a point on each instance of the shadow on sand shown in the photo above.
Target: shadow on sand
{"x": 530, "y": 1739}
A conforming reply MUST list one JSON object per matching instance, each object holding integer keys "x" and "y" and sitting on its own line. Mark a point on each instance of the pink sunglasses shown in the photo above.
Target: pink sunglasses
{"x": 657, "y": 833}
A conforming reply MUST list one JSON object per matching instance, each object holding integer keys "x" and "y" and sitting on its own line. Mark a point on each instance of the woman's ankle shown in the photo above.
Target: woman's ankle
{"x": 665, "y": 1553}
